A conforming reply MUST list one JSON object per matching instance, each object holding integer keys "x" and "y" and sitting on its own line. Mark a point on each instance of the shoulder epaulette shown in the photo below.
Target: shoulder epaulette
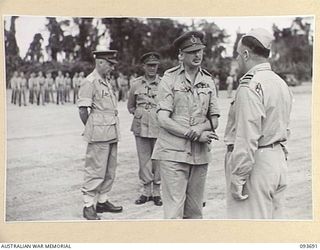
{"x": 173, "y": 69}
{"x": 246, "y": 79}
{"x": 90, "y": 78}
{"x": 137, "y": 79}
{"x": 206, "y": 72}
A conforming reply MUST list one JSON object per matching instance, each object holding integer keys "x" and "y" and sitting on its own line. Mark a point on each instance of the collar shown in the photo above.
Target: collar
{"x": 156, "y": 80}
{"x": 97, "y": 76}
{"x": 199, "y": 75}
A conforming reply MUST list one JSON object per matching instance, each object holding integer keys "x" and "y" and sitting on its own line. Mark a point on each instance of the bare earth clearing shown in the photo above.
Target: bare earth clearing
{"x": 45, "y": 160}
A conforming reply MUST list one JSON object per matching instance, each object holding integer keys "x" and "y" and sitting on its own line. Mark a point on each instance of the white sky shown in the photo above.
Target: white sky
{"x": 27, "y": 26}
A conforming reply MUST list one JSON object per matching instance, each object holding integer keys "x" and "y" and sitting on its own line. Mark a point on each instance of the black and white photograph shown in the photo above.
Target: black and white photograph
{"x": 144, "y": 118}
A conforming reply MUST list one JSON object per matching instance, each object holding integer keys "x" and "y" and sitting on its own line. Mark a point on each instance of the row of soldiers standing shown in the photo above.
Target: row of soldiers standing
{"x": 44, "y": 89}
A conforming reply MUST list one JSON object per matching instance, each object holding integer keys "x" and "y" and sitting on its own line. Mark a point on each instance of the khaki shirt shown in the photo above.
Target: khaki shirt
{"x": 142, "y": 102}
{"x": 123, "y": 82}
{"x": 40, "y": 81}
{"x": 14, "y": 83}
{"x": 103, "y": 123}
{"x": 32, "y": 82}
{"x": 258, "y": 116}
{"x": 22, "y": 82}
{"x": 189, "y": 105}
{"x": 60, "y": 82}
{"x": 49, "y": 82}
{"x": 67, "y": 81}
{"x": 75, "y": 82}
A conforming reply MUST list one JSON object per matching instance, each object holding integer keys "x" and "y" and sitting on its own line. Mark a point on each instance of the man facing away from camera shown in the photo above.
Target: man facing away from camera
{"x": 142, "y": 104}
{"x": 188, "y": 115}
{"x": 101, "y": 133}
{"x": 257, "y": 129}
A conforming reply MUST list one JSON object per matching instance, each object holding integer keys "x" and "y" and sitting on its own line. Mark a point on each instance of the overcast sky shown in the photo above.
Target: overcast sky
{"x": 27, "y": 26}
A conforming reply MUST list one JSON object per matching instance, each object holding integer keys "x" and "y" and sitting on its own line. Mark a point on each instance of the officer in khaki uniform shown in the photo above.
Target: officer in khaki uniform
{"x": 49, "y": 87}
{"x": 60, "y": 86}
{"x": 33, "y": 86}
{"x": 257, "y": 129}
{"x": 67, "y": 89}
{"x": 41, "y": 87}
{"x": 75, "y": 86}
{"x": 101, "y": 133}
{"x": 187, "y": 114}
{"x": 14, "y": 87}
{"x": 142, "y": 104}
{"x": 22, "y": 89}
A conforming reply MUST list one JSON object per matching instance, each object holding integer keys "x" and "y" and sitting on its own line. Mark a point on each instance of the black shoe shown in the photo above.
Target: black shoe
{"x": 143, "y": 199}
{"x": 108, "y": 207}
{"x": 157, "y": 200}
{"x": 90, "y": 213}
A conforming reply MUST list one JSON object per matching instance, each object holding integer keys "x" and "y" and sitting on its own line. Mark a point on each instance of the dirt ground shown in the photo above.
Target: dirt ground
{"x": 45, "y": 161}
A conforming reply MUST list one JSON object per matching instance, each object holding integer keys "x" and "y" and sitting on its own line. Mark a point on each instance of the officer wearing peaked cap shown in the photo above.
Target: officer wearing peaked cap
{"x": 257, "y": 129}
{"x": 102, "y": 134}
{"x": 142, "y": 104}
{"x": 190, "y": 41}
{"x": 187, "y": 114}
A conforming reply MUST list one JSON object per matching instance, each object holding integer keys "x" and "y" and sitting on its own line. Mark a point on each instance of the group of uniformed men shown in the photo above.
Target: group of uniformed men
{"x": 42, "y": 89}
{"x": 174, "y": 122}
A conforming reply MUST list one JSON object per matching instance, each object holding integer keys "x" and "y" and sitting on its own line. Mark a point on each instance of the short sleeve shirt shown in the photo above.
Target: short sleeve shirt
{"x": 188, "y": 105}
{"x": 142, "y": 102}
{"x": 103, "y": 123}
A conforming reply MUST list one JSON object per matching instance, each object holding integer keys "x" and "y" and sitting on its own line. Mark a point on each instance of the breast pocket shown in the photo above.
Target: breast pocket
{"x": 204, "y": 98}
{"x": 136, "y": 123}
{"x": 104, "y": 128}
{"x": 181, "y": 99}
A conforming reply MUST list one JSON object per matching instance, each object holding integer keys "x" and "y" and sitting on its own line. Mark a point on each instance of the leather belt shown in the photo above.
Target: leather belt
{"x": 230, "y": 147}
{"x": 147, "y": 105}
{"x": 112, "y": 112}
{"x": 272, "y": 145}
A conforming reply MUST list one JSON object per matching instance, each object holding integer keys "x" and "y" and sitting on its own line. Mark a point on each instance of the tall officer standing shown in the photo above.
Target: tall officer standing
{"x": 22, "y": 89}
{"x": 75, "y": 86}
{"x": 67, "y": 89}
{"x": 41, "y": 87}
{"x": 142, "y": 104}
{"x": 257, "y": 128}
{"x": 49, "y": 85}
{"x": 14, "y": 87}
{"x": 101, "y": 133}
{"x": 188, "y": 114}
{"x": 60, "y": 85}
{"x": 33, "y": 85}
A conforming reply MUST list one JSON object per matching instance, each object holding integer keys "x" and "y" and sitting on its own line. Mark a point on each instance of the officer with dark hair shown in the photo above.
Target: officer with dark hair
{"x": 257, "y": 129}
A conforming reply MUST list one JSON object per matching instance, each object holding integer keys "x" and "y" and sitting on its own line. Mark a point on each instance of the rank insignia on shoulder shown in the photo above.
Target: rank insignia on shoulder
{"x": 246, "y": 79}
{"x": 173, "y": 69}
{"x": 259, "y": 89}
{"x": 206, "y": 72}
